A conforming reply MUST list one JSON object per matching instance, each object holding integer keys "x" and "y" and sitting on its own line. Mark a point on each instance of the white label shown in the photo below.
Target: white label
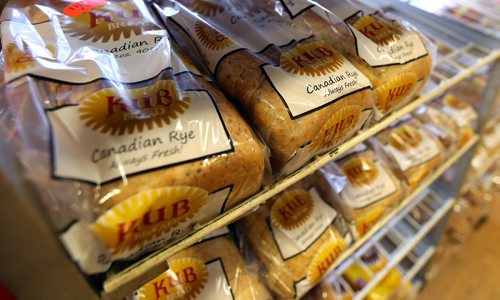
{"x": 462, "y": 117}
{"x": 79, "y": 152}
{"x": 426, "y": 150}
{"x": 303, "y": 94}
{"x": 407, "y": 47}
{"x": 71, "y": 59}
{"x": 363, "y": 195}
{"x": 294, "y": 241}
{"x": 86, "y": 249}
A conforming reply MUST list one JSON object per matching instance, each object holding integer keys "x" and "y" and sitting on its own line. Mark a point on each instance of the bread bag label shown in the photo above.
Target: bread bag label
{"x": 382, "y": 42}
{"x": 214, "y": 45}
{"x": 312, "y": 75}
{"x": 320, "y": 264}
{"x": 411, "y": 147}
{"x": 295, "y": 7}
{"x": 136, "y": 130}
{"x": 189, "y": 278}
{"x": 79, "y": 49}
{"x": 298, "y": 218}
{"x": 368, "y": 182}
{"x": 460, "y": 111}
{"x": 145, "y": 220}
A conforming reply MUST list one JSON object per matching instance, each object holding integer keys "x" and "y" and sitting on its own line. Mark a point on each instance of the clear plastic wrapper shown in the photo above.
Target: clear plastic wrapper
{"x": 391, "y": 53}
{"x": 297, "y": 237}
{"x": 441, "y": 126}
{"x": 299, "y": 92}
{"x": 412, "y": 148}
{"x": 363, "y": 185}
{"x": 124, "y": 139}
{"x": 490, "y": 137}
{"x": 461, "y": 112}
{"x": 212, "y": 269}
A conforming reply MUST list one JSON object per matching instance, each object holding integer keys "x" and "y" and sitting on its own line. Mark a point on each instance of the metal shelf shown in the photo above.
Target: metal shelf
{"x": 409, "y": 243}
{"x": 403, "y": 243}
{"x": 119, "y": 284}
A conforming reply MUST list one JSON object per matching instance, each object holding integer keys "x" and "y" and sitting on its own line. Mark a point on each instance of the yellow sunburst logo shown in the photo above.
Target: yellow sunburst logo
{"x": 143, "y": 217}
{"x": 337, "y": 128}
{"x": 395, "y": 91}
{"x": 324, "y": 258}
{"x": 203, "y": 7}
{"x": 17, "y": 60}
{"x": 311, "y": 59}
{"x": 360, "y": 171}
{"x": 185, "y": 279}
{"x": 292, "y": 209}
{"x": 379, "y": 31}
{"x": 119, "y": 111}
{"x": 366, "y": 222}
{"x": 455, "y": 103}
{"x": 111, "y": 22}
{"x": 405, "y": 137}
{"x": 211, "y": 38}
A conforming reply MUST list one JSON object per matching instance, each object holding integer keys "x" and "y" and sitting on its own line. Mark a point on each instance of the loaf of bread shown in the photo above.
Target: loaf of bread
{"x": 461, "y": 112}
{"x": 441, "y": 126}
{"x": 263, "y": 74}
{"x": 362, "y": 185}
{"x": 395, "y": 82}
{"x": 118, "y": 129}
{"x": 211, "y": 269}
{"x": 413, "y": 149}
{"x": 295, "y": 240}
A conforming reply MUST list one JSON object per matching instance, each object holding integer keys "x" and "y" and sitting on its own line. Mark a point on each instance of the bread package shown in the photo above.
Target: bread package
{"x": 299, "y": 92}
{"x": 440, "y": 125}
{"x": 391, "y": 287}
{"x": 393, "y": 55}
{"x": 119, "y": 132}
{"x": 461, "y": 112}
{"x": 297, "y": 237}
{"x": 212, "y": 269}
{"x": 362, "y": 185}
{"x": 413, "y": 149}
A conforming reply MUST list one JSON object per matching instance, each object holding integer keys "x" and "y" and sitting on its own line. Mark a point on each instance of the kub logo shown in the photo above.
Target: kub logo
{"x": 405, "y": 137}
{"x": 380, "y": 31}
{"x": 185, "y": 279}
{"x": 360, "y": 171}
{"x": 292, "y": 209}
{"x": 120, "y": 111}
{"x": 311, "y": 59}
{"x": 211, "y": 38}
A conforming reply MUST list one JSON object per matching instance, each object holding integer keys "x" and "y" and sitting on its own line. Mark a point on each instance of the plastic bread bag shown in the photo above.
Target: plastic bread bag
{"x": 440, "y": 125}
{"x": 297, "y": 237}
{"x": 212, "y": 269}
{"x": 461, "y": 112}
{"x": 413, "y": 149}
{"x": 363, "y": 185}
{"x": 394, "y": 56}
{"x": 331, "y": 288}
{"x": 392, "y": 286}
{"x": 121, "y": 135}
{"x": 299, "y": 92}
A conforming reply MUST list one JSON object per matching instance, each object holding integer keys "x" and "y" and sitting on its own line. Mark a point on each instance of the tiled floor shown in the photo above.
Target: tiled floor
{"x": 473, "y": 273}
